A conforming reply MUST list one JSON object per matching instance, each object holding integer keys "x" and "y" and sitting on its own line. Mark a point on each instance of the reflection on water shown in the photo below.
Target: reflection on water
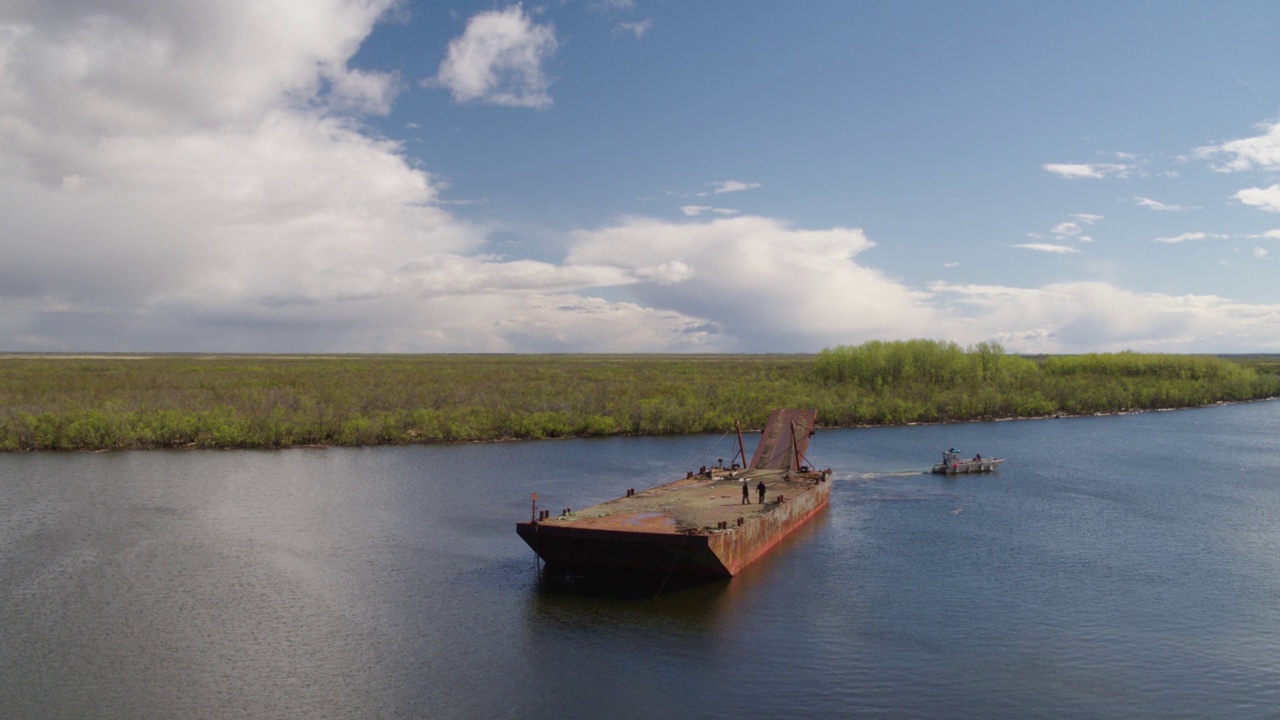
{"x": 1114, "y": 566}
{"x": 623, "y": 586}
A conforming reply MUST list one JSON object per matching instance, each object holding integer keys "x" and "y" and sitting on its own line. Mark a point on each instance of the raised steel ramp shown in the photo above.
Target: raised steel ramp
{"x": 784, "y": 440}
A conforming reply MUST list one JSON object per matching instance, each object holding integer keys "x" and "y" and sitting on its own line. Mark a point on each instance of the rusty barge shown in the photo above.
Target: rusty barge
{"x": 712, "y": 523}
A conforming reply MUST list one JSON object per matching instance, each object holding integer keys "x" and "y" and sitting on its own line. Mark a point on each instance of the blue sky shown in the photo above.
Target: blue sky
{"x": 639, "y": 176}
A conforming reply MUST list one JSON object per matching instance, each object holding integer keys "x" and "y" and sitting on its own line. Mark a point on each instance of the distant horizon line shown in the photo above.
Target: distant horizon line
{"x": 146, "y": 355}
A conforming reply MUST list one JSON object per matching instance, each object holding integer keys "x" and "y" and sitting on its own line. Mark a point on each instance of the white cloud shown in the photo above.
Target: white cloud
{"x": 86, "y": 68}
{"x": 696, "y": 210}
{"x": 1157, "y": 205}
{"x": 1071, "y": 317}
{"x": 668, "y": 273}
{"x": 728, "y": 186}
{"x": 638, "y": 28}
{"x": 1048, "y": 248}
{"x": 1065, "y": 230}
{"x": 1267, "y": 199}
{"x": 197, "y": 177}
{"x": 190, "y": 177}
{"x": 1261, "y": 151}
{"x": 499, "y": 60}
{"x": 1074, "y": 171}
{"x": 182, "y": 148}
{"x": 1272, "y": 234}
{"x": 229, "y": 218}
{"x": 455, "y": 275}
{"x": 1261, "y": 253}
{"x": 1188, "y": 237}
{"x": 765, "y": 285}
{"x": 540, "y": 322}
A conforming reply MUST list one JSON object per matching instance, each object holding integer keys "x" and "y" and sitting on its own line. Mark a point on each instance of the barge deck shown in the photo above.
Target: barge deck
{"x": 696, "y": 525}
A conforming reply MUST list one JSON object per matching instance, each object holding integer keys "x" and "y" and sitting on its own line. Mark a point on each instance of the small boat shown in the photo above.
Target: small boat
{"x": 952, "y": 464}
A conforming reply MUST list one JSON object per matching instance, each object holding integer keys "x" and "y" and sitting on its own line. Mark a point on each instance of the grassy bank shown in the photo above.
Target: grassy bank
{"x": 67, "y": 403}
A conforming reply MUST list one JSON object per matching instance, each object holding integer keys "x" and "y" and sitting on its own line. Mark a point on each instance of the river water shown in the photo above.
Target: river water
{"x": 1124, "y": 566}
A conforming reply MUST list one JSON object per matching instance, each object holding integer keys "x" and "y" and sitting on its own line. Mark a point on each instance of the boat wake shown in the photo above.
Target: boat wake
{"x": 888, "y": 486}
{"x": 870, "y": 475}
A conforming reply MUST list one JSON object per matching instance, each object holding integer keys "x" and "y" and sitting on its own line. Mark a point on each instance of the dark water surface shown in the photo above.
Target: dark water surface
{"x": 1114, "y": 567}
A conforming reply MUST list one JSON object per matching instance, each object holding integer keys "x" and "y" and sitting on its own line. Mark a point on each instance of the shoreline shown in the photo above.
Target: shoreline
{"x": 109, "y": 402}
{"x": 193, "y": 447}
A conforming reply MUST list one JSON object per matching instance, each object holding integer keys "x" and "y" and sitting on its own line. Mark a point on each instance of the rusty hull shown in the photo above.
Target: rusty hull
{"x": 697, "y": 525}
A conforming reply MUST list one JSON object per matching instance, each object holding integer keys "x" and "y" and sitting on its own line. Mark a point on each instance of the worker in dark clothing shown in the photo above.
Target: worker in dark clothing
{"x": 746, "y": 493}
{"x": 760, "y": 491}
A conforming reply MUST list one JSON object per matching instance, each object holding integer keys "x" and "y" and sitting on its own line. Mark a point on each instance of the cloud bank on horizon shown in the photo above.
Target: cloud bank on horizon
{"x": 382, "y": 176}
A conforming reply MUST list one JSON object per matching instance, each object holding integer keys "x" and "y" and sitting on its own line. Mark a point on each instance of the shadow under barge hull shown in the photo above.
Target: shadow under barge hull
{"x": 696, "y": 526}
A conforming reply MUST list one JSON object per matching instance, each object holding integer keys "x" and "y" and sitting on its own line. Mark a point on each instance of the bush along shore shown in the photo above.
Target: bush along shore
{"x": 230, "y": 401}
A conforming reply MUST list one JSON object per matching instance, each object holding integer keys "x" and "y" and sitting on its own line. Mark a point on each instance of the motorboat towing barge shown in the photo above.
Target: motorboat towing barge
{"x": 953, "y": 464}
{"x": 711, "y": 523}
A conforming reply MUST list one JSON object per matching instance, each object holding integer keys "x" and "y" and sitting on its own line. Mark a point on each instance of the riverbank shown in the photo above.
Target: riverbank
{"x": 56, "y": 402}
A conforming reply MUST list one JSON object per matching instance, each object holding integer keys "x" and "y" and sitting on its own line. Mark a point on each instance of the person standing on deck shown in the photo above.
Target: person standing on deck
{"x": 760, "y": 491}
{"x": 746, "y": 493}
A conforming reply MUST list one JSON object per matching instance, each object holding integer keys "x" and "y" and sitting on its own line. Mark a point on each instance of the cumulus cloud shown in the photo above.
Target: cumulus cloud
{"x": 696, "y": 210}
{"x": 150, "y": 148}
{"x": 1188, "y": 237}
{"x": 1075, "y": 171}
{"x": 1067, "y": 317}
{"x": 195, "y": 177}
{"x": 1048, "y": 248}
{"x": 1063, "y": 231}
{"x": 499, "y": 60}
{"x": 1261, "y": 151}
{"x": 84, "y": 68}
{"x": 1261, "y": 253}
{"x": 728, "y": 186}
{"x": 531, "y": 322}
{"x": 1157, "y": 205}
{"x": 762, "y": 283}
{"x": 667, "y": 273}
{"x": 638, "y": 28}
{"x": 1067, "y": 229}
{"x": 1267, "y": 199}
{"x": 441, "y": 275}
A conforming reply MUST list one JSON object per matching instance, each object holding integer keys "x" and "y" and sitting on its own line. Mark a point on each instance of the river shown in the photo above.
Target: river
{"x": 1121, "y": 566}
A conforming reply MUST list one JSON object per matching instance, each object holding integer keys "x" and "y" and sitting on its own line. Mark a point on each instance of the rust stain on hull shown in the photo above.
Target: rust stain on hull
{"x": 698, "y": 525}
